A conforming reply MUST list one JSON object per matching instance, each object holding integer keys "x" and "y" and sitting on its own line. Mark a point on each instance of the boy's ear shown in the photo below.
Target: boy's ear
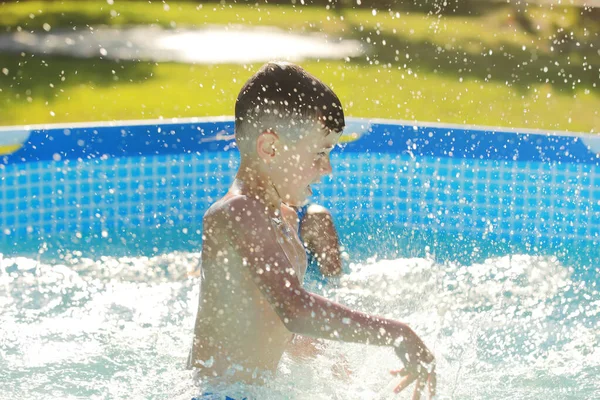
{"x": 265, "y": 144}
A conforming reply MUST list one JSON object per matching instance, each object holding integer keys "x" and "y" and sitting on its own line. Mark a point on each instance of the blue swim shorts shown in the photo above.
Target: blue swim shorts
{"x": 215, "y": 396}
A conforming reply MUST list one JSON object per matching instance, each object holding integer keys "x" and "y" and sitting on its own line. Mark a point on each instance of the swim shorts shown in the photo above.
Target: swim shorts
{"x": 215, "y": 396}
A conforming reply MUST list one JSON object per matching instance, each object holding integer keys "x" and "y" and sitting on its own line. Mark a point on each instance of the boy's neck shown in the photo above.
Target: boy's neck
{"x": 252, "y": 182}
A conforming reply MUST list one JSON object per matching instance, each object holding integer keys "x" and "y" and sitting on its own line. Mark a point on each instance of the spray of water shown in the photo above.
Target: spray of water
{"x": 510, "y": 327}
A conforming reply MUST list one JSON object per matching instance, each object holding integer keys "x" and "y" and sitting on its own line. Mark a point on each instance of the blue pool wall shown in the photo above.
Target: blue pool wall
{"x": 524, "y": 186}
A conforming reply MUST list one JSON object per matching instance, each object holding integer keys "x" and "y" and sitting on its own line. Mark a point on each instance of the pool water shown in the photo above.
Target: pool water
{"x": 80, "y": 320}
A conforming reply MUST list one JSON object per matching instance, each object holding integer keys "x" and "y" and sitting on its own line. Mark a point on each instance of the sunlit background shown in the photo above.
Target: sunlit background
{"x": 515, "y": 64}
{"x": 101, "y": 319}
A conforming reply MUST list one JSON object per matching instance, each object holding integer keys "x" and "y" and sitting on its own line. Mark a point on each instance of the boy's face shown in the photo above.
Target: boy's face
{"x": 302, "y": 162}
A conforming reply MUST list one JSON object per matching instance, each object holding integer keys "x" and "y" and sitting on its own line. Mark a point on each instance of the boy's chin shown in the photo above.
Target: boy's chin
{"x": 299, "y": 201}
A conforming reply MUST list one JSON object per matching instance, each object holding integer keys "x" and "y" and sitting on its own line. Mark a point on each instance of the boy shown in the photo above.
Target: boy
{"x": 252, "y": 302}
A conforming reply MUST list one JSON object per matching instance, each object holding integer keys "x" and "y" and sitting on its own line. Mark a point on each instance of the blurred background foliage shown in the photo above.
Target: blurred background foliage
{"x": 518, "y": 64}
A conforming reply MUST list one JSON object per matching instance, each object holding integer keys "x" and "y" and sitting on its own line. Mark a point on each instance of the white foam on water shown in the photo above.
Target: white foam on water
{"x": 120, "y": 327}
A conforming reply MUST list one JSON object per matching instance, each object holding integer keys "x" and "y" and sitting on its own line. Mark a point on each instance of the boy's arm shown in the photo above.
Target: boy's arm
{"x": 320, "y": 237}
{"x": 302, "y": 312}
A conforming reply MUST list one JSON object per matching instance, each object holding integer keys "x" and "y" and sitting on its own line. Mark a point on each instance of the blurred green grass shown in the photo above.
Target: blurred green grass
{"x": 484, "y": 70}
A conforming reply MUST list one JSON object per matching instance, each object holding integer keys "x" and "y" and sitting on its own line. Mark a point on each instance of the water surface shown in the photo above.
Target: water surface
{"x": 79, "y": 324}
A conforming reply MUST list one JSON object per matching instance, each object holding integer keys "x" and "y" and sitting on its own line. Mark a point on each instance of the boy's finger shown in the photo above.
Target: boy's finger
{"x": 432, "y": 384}
{"x": 418, "y": 389}
{"x": 404, "y": 383}
{"x": 401, "y": 372}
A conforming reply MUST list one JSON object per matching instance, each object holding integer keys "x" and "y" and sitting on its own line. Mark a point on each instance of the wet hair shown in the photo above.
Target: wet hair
{"x": 279, "y": 96}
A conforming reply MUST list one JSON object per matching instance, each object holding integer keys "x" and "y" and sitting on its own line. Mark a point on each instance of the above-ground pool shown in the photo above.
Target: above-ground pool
{"x": 484, "y": 240}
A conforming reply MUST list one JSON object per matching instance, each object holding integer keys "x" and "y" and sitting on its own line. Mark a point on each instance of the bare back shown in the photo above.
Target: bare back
{"x": 238, "y": 335}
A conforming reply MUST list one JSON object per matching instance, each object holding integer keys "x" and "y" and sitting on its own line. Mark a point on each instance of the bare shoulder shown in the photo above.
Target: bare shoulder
{"x": 243, "y": 223}
{"x": 234, "y": 212}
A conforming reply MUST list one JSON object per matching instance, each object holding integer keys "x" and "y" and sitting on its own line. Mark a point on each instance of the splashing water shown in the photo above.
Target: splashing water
{"x": 120, "y": 327}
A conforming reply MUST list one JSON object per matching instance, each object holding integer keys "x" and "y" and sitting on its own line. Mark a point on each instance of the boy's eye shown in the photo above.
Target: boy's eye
{"x": 322, "y": 154}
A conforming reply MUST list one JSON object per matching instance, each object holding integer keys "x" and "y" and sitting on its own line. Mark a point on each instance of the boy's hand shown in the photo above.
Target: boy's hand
{"x": 427, "y": 378}
{"x": 341, "y": 369}
{"x": 303, "y": 348}
{"x": 419, "y": 366}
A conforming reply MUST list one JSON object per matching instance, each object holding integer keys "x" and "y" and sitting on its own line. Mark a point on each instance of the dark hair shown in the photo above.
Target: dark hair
{"x": 289, "y": 92}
